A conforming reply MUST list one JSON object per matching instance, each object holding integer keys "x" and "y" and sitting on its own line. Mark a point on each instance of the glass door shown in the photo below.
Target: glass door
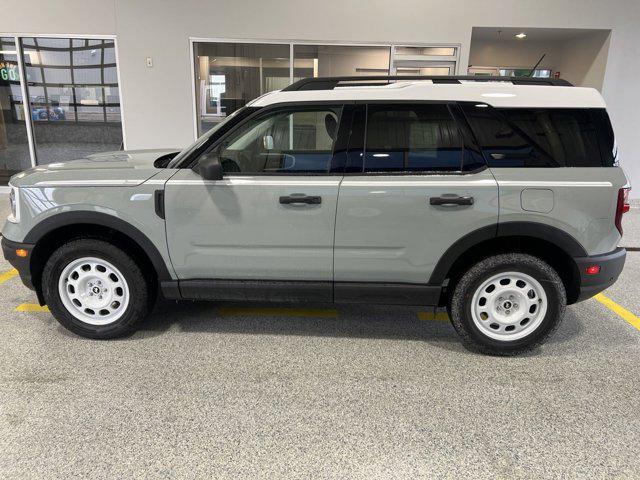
{"x": 72, "y": 84}
{"x": 14, "y": 140}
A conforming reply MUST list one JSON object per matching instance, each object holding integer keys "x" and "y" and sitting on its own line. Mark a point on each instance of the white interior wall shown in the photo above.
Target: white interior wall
{"x": 495, "y": 53}
{"x": 584, "y": 60}
{"x": 581, "y": 60}
{"x": 158, "y": 101}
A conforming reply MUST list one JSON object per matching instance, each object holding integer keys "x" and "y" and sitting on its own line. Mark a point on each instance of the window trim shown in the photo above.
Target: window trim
{"x": 192, "y": 160}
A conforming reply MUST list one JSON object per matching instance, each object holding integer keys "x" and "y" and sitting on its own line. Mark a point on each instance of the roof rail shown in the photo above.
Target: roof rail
{"x": 329, "y": 83}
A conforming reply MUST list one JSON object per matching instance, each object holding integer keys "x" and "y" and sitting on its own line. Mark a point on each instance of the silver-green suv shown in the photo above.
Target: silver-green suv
{"x": 499, "y": 198}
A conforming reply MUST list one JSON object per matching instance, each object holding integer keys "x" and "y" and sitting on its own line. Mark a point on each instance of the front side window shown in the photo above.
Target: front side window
{"x": 411, "y": 138}
{"x": 282, "y": 142}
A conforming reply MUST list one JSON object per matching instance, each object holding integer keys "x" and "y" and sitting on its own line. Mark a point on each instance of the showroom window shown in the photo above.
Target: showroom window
{"x": 73, "y": 100}
{"x": 337, "y": 60}
{"x": 14, "y": 141}
{"x": 72, "y": 86}
{"x": 285, "y": 141}
{"x": 411, "y": 60}
{"x": 410, "y": 138}
{"x": 228, "y": 75}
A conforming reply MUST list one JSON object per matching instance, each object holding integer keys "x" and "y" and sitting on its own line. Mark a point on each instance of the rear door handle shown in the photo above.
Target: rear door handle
{"x": 451, "y": 199}
{"x": 300, "y": 198}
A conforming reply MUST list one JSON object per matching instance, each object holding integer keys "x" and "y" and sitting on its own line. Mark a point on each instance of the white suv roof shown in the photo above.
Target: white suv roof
{"x": 502, "y": 93}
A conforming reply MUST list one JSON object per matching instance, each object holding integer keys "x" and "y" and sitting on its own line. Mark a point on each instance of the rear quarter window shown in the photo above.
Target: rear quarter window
{"x": 543, "y": 137}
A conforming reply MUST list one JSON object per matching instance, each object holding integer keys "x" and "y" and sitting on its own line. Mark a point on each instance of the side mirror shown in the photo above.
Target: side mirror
{"x": 209, "y": 167}
{"x": 267, "y": 142}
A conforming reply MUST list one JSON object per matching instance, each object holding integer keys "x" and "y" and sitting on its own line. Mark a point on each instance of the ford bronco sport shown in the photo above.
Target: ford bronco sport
{"x": 498, "y": 198}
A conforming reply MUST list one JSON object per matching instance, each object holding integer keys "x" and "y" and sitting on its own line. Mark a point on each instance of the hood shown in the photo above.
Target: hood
{"x": 120, "y": 168}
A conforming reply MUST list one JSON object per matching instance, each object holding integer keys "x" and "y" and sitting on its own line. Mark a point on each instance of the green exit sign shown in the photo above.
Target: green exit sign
{"x": 9, "y": 72}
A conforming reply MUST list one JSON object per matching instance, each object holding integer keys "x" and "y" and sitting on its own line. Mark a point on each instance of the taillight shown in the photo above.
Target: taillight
{"x": 593, "y": 269}
{"x": 622, "y": 207}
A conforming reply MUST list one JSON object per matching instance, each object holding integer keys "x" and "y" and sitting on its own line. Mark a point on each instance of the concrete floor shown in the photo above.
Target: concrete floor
{"x": 214, "y": 391}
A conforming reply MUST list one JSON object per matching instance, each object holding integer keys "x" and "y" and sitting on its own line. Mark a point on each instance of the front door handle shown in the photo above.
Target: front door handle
{"x": 451, "y": 199}
{"x": 300, "y": 198}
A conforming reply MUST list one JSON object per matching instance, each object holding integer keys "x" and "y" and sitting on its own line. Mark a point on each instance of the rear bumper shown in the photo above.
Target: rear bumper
{"x": 611, "y": 265}
{"x": 22, "y": 264}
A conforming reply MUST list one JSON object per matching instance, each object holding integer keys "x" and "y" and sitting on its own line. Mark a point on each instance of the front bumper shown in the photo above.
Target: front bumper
{"x": 611, "y": 265}
{"x": 22, "y": 264}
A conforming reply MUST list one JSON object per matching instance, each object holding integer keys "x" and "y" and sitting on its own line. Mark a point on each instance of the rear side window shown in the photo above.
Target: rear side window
{"x": 542, "y": 137}
{"x": 411, "y": 138}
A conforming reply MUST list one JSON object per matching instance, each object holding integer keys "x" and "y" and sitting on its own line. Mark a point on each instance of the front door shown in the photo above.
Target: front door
{"x": 409, "y": 194}
{"x": 271, "y": 218}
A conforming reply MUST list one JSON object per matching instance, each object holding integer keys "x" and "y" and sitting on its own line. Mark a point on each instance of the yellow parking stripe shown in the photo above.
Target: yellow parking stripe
{"x": 8, "y": 275}
{"x": 31, "y": 307}
{"x": 282, "y": 312}
{"x": 439, "y": 316}
{"x": 618, "y": 310}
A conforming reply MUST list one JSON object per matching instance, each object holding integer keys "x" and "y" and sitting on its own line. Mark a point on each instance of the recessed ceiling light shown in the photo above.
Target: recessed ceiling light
{"x": 521, "y": 35}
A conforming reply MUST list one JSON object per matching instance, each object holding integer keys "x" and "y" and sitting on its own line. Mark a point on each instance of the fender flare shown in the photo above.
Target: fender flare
{"x": 541, "y": 231}
{"x": 105, "y": 220}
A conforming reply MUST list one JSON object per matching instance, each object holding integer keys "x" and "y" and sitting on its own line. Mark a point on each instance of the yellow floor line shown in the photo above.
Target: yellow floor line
{"x": 8, "y": 275}
{"x": 439, "y": 316}
{"x": 284, "y": 312}
{"x": 31, "y": 307}
{"x": 618, "y": 310}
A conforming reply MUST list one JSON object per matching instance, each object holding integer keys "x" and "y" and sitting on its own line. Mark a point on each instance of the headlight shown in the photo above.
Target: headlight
{"x": 14, "y": 200}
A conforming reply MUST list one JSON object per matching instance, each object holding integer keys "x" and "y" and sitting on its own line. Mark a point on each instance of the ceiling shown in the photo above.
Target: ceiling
{"x": 533, "y": 34}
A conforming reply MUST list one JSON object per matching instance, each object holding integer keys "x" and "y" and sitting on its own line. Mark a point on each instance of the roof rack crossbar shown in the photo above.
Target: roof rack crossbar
{"x": 329, "y": 83}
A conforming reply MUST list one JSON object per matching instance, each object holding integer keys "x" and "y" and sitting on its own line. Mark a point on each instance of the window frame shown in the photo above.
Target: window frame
{"x": 213, "y": 144}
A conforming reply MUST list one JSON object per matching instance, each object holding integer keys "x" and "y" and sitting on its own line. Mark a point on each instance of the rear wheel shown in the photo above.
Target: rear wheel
{"x": 507, "y": 304}
{"x": 95, "y": 289}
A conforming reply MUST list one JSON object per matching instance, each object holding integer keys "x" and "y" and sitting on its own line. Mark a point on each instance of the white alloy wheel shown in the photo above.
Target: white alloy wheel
{"x": 509, "y": 306}
{"x": 93, "y": 291}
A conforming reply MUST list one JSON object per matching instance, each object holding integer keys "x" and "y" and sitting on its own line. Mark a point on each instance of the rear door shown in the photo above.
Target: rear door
{"x": 411, "y": 190}
{"x": 272, "y": 216}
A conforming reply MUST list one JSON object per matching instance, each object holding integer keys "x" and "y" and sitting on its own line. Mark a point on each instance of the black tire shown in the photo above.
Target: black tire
{"x": 140, "y": 291}
{"x": 460, "y": 307}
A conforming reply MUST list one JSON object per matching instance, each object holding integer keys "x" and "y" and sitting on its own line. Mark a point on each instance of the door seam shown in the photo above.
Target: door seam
{"x": 333, "y": 247}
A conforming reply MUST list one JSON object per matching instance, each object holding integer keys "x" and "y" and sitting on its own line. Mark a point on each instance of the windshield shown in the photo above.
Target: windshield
{"x": 202, "y": 139}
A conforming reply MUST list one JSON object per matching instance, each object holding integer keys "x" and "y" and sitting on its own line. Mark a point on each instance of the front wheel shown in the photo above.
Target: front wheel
{"x": 95, "y": 289}
{"x": 507, "y": 304}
